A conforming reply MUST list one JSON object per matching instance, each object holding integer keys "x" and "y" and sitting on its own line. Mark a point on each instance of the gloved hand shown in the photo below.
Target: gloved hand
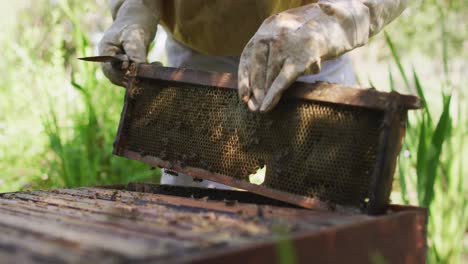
{"x": 294, "y": 42}
{"x": 134, "y": 27}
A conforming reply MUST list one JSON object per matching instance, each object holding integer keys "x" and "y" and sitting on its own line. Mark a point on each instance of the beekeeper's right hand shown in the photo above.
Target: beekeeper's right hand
{"x": 133, "y": 29}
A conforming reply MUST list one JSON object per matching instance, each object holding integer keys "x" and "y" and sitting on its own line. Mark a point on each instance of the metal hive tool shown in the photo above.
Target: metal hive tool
{"x": 323, "y": 145}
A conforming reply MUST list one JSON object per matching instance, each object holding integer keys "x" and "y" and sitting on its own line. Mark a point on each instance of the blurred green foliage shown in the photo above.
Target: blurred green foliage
{"x": 432, "y": 165}
{"x": 60, "y": 115}
{"x": 428, "y": 22}
{"x": 431, "y": 168}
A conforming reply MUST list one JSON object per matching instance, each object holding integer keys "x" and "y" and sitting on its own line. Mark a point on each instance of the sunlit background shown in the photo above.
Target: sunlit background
{"x": 59, "y": 116}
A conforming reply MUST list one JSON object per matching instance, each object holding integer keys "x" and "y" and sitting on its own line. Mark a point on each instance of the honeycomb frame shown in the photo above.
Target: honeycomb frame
{"x": 323, "y": 146}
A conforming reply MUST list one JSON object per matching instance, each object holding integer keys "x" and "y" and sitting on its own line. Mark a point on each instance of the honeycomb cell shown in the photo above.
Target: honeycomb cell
{"x": 311, "y": 149}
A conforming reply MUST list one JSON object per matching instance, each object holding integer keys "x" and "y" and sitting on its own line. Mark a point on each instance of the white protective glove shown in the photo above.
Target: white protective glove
{"x": 294, "y": 42}
{"x": 133, "y": 29}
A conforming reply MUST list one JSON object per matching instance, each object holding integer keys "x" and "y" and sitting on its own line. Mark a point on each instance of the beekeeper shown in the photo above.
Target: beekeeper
{"x": 269, "y": 43}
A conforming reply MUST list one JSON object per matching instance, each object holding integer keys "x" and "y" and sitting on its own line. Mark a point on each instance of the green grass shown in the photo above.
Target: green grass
{"x": 431, "y": 169}
{"x": 62, "y": 113}
{"x": 83, "y": 152}
{"x": 285, "y": 251}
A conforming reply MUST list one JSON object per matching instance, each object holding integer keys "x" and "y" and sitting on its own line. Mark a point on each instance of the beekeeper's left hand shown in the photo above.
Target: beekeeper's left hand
{"x": 295, "y": 42}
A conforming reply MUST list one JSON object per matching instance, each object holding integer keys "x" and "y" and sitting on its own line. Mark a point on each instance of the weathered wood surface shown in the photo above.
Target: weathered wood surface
{"x": 97, "y": 225}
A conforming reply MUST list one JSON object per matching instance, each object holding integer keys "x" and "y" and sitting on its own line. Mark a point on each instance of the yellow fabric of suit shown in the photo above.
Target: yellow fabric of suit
{"x": 219, "y": 27}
